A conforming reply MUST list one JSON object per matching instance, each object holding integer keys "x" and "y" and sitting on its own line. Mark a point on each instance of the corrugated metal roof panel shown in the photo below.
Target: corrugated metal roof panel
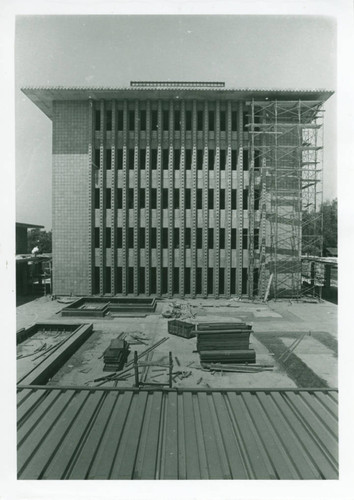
{"x": 89, "y": 433}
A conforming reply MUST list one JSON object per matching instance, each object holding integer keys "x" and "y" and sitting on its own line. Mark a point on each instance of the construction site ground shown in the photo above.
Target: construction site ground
{"x": 276, "y": 326}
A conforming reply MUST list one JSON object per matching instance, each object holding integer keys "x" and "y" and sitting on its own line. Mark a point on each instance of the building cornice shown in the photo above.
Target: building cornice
{"x": 43, "y": 97}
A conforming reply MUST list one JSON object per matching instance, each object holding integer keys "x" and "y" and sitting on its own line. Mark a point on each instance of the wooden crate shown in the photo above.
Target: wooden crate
{"x": 181, "y": 328}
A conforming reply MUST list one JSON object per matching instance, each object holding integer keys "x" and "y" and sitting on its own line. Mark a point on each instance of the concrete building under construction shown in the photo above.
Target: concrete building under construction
{"x": 183, "y": 189}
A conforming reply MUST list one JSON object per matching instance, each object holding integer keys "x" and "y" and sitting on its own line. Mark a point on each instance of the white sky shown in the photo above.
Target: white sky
{"x": 244, "y": 51}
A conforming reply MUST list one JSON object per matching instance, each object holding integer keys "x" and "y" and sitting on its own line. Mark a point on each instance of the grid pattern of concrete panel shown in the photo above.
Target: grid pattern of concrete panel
{"x": 167, "y": 197}
{"x": 88, "y": 433}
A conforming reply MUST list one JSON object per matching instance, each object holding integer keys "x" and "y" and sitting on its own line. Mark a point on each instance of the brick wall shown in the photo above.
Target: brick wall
{"x": 70, "y": 127}
{"x": 71, "y": 199}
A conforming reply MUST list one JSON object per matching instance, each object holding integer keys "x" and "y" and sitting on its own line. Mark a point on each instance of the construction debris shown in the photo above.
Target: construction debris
{"x": 167, "y": 314}
{"x": 176, "y": 310}
{"x": 137, "y": 338}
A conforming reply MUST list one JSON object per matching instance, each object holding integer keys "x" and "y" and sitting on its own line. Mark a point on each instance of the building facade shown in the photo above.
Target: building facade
{"x": 181, "y": 189}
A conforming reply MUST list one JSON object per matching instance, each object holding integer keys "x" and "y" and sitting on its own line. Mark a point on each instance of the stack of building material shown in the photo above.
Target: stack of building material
{"x": 115, "y": 355}
{"x": 224, "y": 343}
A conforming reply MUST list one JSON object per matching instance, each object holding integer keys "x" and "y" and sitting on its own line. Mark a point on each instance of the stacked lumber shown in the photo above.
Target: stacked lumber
{"x": 115, "y": 355}
{"x": 224, "y": 343}
{"x": 201, "y": 327}
{"x": 214, "y": 340}
{"x": 232, "y": 356}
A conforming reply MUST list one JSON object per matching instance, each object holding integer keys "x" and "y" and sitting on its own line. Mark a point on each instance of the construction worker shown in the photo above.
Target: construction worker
{"x": 35, "y": 251}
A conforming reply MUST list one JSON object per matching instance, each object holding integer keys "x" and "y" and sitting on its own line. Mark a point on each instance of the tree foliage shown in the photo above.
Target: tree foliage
{"x": 316, "y": 225}
{"x": 41, "y": 239}
{"x": 329, "y": 211}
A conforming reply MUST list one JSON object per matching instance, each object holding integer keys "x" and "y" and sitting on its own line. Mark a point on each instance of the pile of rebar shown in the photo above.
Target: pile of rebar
{"x": 224, "y": 343}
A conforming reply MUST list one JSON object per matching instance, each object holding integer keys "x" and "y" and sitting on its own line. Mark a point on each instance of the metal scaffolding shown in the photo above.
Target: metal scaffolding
{"x": 286, "y": 166}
